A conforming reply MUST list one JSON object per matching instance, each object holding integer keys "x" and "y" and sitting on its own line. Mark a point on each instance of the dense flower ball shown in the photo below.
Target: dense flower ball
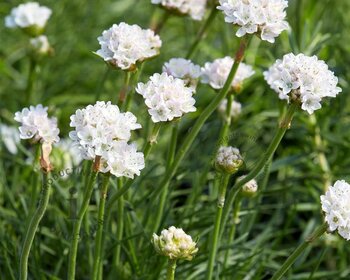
{"x": 335, "y": 205}
{"x": 10, "y": 137}
{"x": 264, "y": 17}
{"x": 194, "y": 8}
{"x": 250, "y": 188}
{"x": 40, "y": 45}
{"x": 183, "y": 69}
{"x": 302, "y": 78}
{"x": 228, "y": 160}
{"x": 97, "y": 126}
{"x": 215, "y": 73}
{"x": 28, "y": 15}
{"x": 236, "y": 108}
{"x": 35, "y": 124}
{"x": 124, "y": 45}
{"x": 166, "y": 97}
{"x": 174, "y": 243}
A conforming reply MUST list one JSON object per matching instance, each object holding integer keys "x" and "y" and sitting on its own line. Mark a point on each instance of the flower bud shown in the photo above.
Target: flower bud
{"x": 174, "y": 243}
{"x": 40, "y": 46}
{"x": 228, "y": 160}
{"x": 250, "y": 188}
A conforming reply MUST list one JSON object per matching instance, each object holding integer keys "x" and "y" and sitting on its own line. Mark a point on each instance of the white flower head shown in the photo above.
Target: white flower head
{"x": 194, "y": 8}
{"x": 302, "y": 78}
{"x": 263, "y": 17}
{"x": 124, "y": 45}
{"x": 336, "y": 207}
{"x": 183, "y": 69}
{"x": 236, "y": 109}
{"x": 215, "y": 73}
{"x": 228, "y": 159}
{"x": 35, "y": 124}
{"x": 40, "y": 45}
{"x": 10, "y": 137}
{"x": 250, "y": 188}
{"x": 166, "y": 97}
{"x": 175, "y": 244}
{"x": 97, "y": 126}
{"x": 28, "y": 16}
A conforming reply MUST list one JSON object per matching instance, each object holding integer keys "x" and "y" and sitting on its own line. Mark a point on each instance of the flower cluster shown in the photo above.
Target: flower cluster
{"x": 250, "y": 188}
{"x": 236, "y": 108}
{"x": 28, "y": 16}
{"x": 35, "y": 124}
{"x": 228, "y": 160}
{"x": 166, "y": 97}
{"x": 124, "y": 45}
{"x": 215, "y": 73}
{"x": 335, "y": 205}
{"x": 194, "y": 8}
{"x": 103, "y": 131}
{"x": 174, "y": 243}
{"x": 302, "y": 78}
{"x": 264, "y": 17}
{"x": 183, "y": 69}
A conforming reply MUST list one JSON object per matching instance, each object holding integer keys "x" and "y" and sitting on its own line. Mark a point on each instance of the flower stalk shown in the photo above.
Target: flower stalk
{"x": 170, "y": 275}
{"x": 125, "y": 89}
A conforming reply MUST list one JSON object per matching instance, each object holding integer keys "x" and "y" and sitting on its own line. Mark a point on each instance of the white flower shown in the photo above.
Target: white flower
{"x": 174, "y": 243}
{"x": 228, "y": 159}
{"x": 10, "y": 137}
{"x": 124, "y": 45}
{"x": 166, "y": 97}
{"x": 183, "y": 69}
{"x": 194, "y": 8}
{"x": 249, "y": 188}
{"x": 123, "y": 159}
{"x": 215, "y": 73}
{"x": 97, "y": 126}
{"x": 303, "y": 78}
{"x": 336, "y": 206}
{"x": 40, "y": 44}
{"x": 236, "y": 108}
{"x": 264, "y": 17}
{"x": 36, "y": 124}
{"x": 70, "y": 153}
{"x": 28, "y": 15}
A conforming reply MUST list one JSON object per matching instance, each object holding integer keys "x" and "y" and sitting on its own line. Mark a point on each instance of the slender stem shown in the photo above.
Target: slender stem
{"x": 120, "y": 229}
{"x": 33, "y": 226}
{"x": 100, "y": 222}
{"x": 31, "y": 80}
{"x": 77, "y": 225}
{"x": 227, "y": 122}
{"x": 202, "y": 31}
{"x": 170, "y": 275}
{"x": 215, "y": 238}
{"x": 157, "y": 27}
{"x": 152, "y": 139}
{"x": 204, "y": 116}
{"x": 124, "y": 90}
{"x": 129, "y": 96}
{"x": 284, "y": 125}
{"x": 298, "y": 251}
{"x": 164, "y": 193}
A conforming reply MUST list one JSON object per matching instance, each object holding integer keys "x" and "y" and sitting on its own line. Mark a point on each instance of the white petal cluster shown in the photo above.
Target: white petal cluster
{"x": 336, "y": 206}
{"x": 40, "y": 44}
{"x": 264, "y": 17}
{"x": 304, "y": 78}
{"x": 236, "y": 108}
{"x": 102, "y": 130}
{"x": 174, "y": 243}
{"x": 215, "y": 73}
{"x": 166, "y": 97}
{"x": 228, "y": 159}
{"x": 10, "y": 137}
{"x": 26, "y": 15}
{"x": 194, "y": 8}
{"x": 124, "y": 45}
{"x": 35, "y": 124}
{"x": 183, "y": 69}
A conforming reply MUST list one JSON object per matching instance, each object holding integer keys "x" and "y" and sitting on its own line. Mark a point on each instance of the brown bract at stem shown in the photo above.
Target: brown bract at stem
{"x": 240, "y": 53}
{"x": 45, "y": 163}
{"x": 97, "y": 163}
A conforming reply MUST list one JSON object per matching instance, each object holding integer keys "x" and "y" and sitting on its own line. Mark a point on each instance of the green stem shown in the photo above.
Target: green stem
{"x": 120, "y": 229}
{"x": 124, "y": 90}
{"x": 202, "y": 31}
{"x": 284, "y": 125}
{"x": 298, "y": 251}
{"x": 215, "y": 239}
{"x": 77, "y": 225}
{"x": 100, "y": 222}
{"x": 33, "y": 226}
{"x": 129, "y": 96}
{"x": 170, "y": 275}
{"x": 164, "y": 193}
{"x": 227, "y": 122}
